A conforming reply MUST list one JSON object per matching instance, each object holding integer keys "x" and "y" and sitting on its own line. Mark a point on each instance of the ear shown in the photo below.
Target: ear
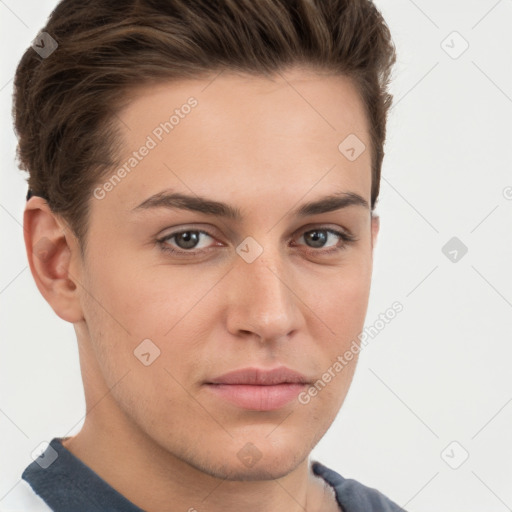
{"x": 52, "y": 252}
{"x": 375, "y": 229}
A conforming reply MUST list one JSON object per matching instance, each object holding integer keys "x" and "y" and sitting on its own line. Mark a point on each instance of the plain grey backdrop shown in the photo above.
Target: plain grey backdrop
{"x": 428, "y": 420}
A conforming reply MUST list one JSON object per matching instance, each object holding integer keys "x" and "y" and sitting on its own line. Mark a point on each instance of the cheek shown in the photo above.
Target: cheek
{"x": 342, "y": 307}
{"x": 342, "y": 300}
{"x": 146, "y": 301}
{"x": 126, "y": 306}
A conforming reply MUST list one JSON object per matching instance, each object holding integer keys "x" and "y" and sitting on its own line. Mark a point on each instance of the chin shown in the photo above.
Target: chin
{"x": 261, "y": 471}
{"x": 249, "y": 463}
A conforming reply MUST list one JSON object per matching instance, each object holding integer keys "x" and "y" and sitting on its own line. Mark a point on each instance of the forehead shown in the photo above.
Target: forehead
{"x": 238, "y": 135}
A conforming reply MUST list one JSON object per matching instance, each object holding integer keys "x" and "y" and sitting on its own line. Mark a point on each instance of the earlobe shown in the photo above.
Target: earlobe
{"x": 49, "y": 252}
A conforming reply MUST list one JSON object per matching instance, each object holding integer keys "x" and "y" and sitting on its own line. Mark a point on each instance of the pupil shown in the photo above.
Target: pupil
{"x": 318, "y": 236}
{"x": 190, "y": 239}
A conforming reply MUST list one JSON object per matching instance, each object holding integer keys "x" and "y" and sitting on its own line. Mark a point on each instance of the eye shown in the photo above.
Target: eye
{"x": 317, "y": 239}
{"x": 185, "y": 242}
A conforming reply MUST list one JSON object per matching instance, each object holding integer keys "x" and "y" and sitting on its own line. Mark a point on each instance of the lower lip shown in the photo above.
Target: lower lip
{"x": 257, "y": 398}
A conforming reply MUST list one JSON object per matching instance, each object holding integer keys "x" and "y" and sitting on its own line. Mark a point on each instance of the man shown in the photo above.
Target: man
{"x": 202, "y": 181}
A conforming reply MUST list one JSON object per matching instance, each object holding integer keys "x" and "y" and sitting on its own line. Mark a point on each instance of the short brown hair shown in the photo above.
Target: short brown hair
{"x": 65, "y": 105}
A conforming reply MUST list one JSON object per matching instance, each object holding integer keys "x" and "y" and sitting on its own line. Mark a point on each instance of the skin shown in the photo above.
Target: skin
{"x": 156, "y": 433}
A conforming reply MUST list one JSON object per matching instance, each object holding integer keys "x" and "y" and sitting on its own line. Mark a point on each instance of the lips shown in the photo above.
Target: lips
{"x": 261, "y": 377}
{"x": 258, "y": 389}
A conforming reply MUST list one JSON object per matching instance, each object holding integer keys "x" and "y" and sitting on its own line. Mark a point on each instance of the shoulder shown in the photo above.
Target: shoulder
{"x": 22, "y": 498}
{"x": 354, "y": 496}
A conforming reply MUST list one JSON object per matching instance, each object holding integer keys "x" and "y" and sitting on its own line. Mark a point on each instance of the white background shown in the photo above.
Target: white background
{"x": 440, "y": 371}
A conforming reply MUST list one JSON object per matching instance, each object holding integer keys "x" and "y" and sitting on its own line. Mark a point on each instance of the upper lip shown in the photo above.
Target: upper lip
{"x": 261, "y": 377}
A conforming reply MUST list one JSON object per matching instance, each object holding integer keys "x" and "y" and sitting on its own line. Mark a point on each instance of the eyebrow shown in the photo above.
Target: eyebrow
{"x": 177, "y": 200}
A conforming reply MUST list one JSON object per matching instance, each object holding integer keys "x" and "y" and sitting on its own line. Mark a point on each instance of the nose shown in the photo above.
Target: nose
{"x": 264, "y": 300}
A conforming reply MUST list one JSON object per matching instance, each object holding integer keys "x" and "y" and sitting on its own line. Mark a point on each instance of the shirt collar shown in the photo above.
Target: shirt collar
{"x": 66, "y": 483}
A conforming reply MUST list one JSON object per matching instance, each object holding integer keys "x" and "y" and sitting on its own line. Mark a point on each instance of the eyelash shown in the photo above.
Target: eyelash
{"x": 347, "y": 238}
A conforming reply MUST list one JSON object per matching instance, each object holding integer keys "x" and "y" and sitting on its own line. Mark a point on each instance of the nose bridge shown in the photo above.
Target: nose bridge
{"x": 264, "y": 303}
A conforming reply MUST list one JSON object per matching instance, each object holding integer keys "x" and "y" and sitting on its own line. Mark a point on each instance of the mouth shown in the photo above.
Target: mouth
{"x": 258, "y": 389}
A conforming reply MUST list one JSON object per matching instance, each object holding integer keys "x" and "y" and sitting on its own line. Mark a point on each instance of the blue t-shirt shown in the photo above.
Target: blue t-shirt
{"x": 61, "y": 482}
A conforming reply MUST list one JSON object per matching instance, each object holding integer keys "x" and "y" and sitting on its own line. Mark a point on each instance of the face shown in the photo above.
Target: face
{"x": 174, "y": 298}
